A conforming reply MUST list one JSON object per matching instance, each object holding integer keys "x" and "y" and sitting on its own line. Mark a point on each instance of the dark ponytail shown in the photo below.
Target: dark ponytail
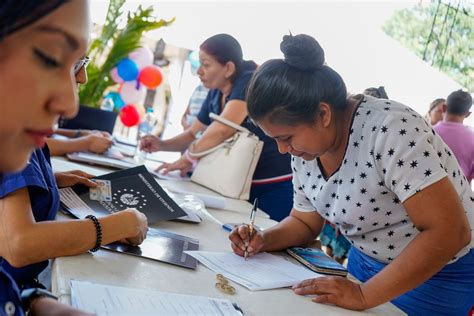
{"x": 225, "y": 48}
{"x": 288, "y": 91}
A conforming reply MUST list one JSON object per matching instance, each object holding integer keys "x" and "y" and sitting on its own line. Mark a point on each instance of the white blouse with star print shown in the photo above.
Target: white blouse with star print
{"x": 392, "y": 153}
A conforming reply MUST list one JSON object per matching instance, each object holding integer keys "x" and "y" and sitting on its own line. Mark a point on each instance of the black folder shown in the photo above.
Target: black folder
{"x": 137, "y": 188}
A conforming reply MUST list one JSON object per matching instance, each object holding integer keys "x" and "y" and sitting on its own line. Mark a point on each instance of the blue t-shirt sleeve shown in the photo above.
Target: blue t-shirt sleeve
{"x": 31, "y": 176}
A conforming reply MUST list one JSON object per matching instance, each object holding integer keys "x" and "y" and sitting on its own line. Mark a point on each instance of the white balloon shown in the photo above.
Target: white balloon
{"x": 142, "y": 56}
{"x": 130, "y": 94}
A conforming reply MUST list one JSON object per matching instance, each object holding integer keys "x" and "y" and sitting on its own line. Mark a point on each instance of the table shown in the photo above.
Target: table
{"x": 123, "y": 270}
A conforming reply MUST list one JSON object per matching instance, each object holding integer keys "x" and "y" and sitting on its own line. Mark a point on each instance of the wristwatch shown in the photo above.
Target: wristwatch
{"x": 29, "y": 295}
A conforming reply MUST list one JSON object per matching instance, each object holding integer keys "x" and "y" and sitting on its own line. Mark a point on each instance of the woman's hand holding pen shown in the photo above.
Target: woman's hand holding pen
{"x": 242, "y": 241}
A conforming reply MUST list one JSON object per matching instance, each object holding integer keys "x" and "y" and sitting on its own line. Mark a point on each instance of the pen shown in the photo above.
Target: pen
{"x": 251, "y": 225}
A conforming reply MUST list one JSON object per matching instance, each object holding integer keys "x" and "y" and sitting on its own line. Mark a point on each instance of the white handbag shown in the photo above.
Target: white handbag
{"x": 228, "y": 168}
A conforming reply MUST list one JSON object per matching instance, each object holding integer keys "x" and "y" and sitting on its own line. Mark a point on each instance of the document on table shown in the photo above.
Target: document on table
{"x": 104, "y": 299}
{"x": 263, "y": 271}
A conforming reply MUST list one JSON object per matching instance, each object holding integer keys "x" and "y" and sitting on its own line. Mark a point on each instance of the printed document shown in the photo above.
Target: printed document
{"x": 103, "y": 299}
{"x": 263, "y": 271}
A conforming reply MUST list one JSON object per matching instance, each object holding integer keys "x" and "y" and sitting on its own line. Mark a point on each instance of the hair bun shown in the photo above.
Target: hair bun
{"x": 302, "y": 52}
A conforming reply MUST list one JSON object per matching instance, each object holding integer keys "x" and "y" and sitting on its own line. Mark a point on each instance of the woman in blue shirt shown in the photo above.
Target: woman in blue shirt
{"x": 30, "y": 235}
{"x": 224, "y": 71}
{"x": 24, "y": 125}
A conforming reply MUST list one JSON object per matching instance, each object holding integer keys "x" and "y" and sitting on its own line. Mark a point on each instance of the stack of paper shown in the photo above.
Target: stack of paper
{"x": 103, "y": 299}
{"x": 260, "y": 272}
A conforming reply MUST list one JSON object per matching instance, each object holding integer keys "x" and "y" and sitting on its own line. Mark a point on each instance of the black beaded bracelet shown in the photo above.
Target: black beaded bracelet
{"x": 98, "y": 230}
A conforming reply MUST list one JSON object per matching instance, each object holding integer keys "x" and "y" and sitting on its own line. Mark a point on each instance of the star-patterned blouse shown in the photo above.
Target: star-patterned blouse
{"x": 392, "y": 154}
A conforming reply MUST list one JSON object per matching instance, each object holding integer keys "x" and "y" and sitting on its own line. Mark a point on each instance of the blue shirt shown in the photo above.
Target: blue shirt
{"x": 271, "y": 163}
{"x": 38, "y": 178}
{"x": 10, "y": 303}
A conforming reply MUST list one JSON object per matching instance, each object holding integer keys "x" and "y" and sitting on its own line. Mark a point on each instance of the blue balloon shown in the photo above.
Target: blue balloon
{"x": 194, "y": 59}
{"x": 117, "y": 99}
{"x": 127, "y": 69}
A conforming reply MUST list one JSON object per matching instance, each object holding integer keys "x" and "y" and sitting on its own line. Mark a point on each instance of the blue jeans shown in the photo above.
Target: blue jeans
{"x": 448, "y": 292}
{"x": 275, "y": 199}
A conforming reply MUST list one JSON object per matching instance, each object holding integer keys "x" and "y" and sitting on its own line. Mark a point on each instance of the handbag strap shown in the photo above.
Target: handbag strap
{"x": 225, "y": 121}
{"x": 224, "y": 143}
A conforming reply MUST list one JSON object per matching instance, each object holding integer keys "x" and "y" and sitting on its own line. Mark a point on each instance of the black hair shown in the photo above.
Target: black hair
{"x": 459, "y": 102}
{"x": 17, "y": 14}
{"x": 225, "y": 48}
{"x": 288, "y": 91}
{"x": 379, "y": 92}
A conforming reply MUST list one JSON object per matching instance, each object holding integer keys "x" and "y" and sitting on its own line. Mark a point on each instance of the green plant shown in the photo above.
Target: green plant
{"x": 441, "y": 33}
{"x": 121, "y": 42}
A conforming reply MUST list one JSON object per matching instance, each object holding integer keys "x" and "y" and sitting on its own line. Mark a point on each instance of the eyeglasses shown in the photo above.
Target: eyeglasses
{"x": 80, "y": 64}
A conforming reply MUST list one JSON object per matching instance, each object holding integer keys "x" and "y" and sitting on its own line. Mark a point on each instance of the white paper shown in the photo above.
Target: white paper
{"x": 216, "y": 202}
{"x": 74, "y": 203}
{"x": 263, "y": 271}
{"x": 102, "y": 160}
{"x": 172, "y": 175}
{"x": 114, "y": 300}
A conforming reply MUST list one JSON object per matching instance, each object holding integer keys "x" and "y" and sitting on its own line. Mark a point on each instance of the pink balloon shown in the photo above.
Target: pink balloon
{"x": 132, "y": 92}
{"x": 115, "y": 76}
{"x": 142, "y": 56}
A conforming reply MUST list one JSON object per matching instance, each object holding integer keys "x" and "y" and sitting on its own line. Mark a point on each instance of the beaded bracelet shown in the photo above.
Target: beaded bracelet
{"x": 98, "y": 230}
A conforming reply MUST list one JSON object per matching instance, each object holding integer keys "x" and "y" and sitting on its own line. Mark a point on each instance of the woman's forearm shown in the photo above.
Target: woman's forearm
{"x": 60, "y": 147}
{"x": 178, "y": 143}
{"x": 421, "y": 259}
{"x": 51, "y": 239}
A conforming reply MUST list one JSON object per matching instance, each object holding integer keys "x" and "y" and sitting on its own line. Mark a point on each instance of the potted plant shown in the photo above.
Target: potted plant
{"x": 103, "y": 60}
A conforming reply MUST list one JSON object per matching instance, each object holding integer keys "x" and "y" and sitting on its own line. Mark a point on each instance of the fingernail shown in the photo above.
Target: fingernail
{"x": 250, "y": 249}
{"x": 246, "y": 244}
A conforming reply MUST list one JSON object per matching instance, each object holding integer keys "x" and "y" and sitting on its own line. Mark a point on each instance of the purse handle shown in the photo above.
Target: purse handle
{"x": 224, "y": 121}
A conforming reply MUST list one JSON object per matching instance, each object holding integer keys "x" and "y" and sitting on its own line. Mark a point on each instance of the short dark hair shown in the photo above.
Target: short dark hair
{"x": 459, "y": 102}
{"x": 288, "y": 91}
{"x": 225, "y": 48}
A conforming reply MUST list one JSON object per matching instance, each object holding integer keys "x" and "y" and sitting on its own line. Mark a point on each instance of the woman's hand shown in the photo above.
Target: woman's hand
{"x": 151, "y": 143}
{"x": 182, "y": 164}
{"x": 241, "y": 241}
{"x": 98, "y": 143}
{"x": 70, "y": 178}
{"x": 334, "y": 290}
{"x": 141, "y": 224}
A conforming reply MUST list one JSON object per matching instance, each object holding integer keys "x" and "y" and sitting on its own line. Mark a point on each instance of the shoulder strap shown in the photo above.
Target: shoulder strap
{"x": 224, "y": 121}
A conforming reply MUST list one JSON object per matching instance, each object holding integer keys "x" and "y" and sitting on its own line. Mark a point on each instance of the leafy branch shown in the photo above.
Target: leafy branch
{"x": 123, "y": 42}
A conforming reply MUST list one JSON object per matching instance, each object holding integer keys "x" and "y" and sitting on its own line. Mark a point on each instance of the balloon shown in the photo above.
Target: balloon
{"x": 193, "y": 58}
{"x": 132, "y": 92}
{"x": 151, "y": 76}
{"x": 129, "y": 115}
{"x": 142, "y": 56}
{"x": 116, "y": 98}
{"x": 140, "y": 109}
{"x": 115, "y": 76}
{"x": 127, "y": 69}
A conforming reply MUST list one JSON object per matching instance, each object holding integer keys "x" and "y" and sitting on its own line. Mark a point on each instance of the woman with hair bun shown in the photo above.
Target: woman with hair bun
{"x": 374, "y": 168}
{"x": 224, "y": 71}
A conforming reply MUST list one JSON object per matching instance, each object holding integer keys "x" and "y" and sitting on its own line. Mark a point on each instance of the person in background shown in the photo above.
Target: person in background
{"x": 40, "y": 98}
{"x": 377, "y": 170}
{"x": 435, "y": 113}
{"x": 224, "y": 71}
{"x": 194, "y": 106}
{"x": 378, "y": 93}
{"x": 79, "y": 140}
{"x": 30, "y": 235}
{"x": 459, "y": 137}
